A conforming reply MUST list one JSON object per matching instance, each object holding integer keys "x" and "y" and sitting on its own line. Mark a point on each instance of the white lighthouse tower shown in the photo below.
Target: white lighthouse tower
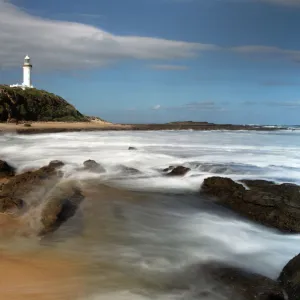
{"x": 27, "y": 66}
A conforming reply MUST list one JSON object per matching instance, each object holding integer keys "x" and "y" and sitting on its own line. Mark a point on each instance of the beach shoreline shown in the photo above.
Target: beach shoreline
{"x": 56, "y": 127}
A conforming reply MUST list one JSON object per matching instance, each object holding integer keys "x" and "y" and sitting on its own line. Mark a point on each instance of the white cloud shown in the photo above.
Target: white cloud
{"x": 61, "y": 45}
{"x": 169, "y": 67}
{"x": 64, "y": 45}
{"x": 156, "y": 107}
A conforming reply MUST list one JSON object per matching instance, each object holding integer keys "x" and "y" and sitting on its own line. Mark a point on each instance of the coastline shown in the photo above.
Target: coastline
{"x": 56, "y": 127}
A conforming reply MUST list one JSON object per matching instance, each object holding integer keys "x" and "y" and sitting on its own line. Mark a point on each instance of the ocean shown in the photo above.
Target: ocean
{"x": 135, "y": 232}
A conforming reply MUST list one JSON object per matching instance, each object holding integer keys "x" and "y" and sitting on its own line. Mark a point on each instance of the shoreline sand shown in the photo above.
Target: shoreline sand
{"x": 55, "y": 127}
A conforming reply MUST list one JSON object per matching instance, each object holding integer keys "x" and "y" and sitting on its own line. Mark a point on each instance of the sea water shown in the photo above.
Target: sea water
{"x": 135, "y": 231}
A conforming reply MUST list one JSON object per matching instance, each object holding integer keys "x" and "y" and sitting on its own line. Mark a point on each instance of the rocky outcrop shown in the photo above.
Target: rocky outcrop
{"x": 60, "y": 205}
{"x": 290, "y": 278}
{"x": 93, "y": 166}
{"x": 176, "y": 171}
{"x": 270, "y": 204}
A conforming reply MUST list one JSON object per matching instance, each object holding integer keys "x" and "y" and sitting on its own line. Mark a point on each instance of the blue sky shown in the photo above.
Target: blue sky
{"x": 223, "y": 61}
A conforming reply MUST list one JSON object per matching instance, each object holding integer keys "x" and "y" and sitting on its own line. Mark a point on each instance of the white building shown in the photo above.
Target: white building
{"x": 27, "y": 66}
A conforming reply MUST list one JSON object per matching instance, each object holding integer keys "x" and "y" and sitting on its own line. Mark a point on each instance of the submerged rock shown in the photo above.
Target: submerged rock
{"x": 60, "y": 205}
{"x": 6, "y": 170}
{"x": 128, "y": 170}
{"x": 213, "y": 280}
{"x": 275, "y": 205}
{"x": 93, "y": 166}
{"x": 176, "y": 171}
{"x": 290, "y": 278}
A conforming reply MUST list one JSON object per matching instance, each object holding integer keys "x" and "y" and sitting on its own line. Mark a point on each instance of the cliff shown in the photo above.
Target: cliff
{"x": 17, "y": 104}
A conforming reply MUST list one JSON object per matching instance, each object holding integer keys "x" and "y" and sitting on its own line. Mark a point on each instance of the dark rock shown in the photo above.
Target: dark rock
{"x": 290, "y": 278}
{"x": 56, "y": 164}
{"x": 60, "y": 205}
{"x": 241, "y": 284}
{"x": 178, "y": 171}
{"x": 93, "y": 166}
{"x": 132, "y": 148}
{"x": 168, "y": 169}
{"x": 6, "y": 169}
{"x": 129, "y": 170}
{"x": 217, "y": 280}
{"x": 265, "y": 202}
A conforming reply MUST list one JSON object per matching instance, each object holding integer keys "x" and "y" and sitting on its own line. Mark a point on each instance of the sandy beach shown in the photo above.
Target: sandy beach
{"x": 48, "y": 127}
{"x": 97, "y": 125}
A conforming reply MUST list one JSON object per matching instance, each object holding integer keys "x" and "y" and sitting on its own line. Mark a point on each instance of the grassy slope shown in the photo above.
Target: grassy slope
{"x": 35, "y": 105}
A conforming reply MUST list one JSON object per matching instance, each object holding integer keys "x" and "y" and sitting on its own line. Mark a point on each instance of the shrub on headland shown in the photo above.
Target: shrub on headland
{"x": 36, "y": 105}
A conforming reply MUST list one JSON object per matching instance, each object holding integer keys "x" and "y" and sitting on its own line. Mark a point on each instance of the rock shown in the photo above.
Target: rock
{"x": 56, "y": 164}
{"x": 178, "y": 171}
{"x": 6, "y": 170}
{"x": 168, "y": 169}
{"x": 212, "y": 279}
{"x": 290, "y": 278}
{"x": 132, "y": 148}
{"x": 93, "y": 166}
{"x": 11, "y": 205}
{"x": 129, "y": 170}
{"x": 60, "y": 205}
{"x": 265, "y": 202}
{"x": 31, "y": 186}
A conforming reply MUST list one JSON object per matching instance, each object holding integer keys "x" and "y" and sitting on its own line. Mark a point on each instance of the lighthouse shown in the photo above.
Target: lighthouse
{"x": 27, "y": 66}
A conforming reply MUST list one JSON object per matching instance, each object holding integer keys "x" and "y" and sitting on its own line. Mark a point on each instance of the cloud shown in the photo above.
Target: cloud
{"x": 199, "y": 105}
{"x": 283, "y": 2}
{"x": 279, "y": 83}
{"x": 169, "y": 67}
{"x": 290, "y": 104}
{"x": 68, "y": 45}
{"x": 156, "y": 107}
{"x": 61, "y": 45}
{"x": 267, "y": 50}
{"x": 287, "y": 104}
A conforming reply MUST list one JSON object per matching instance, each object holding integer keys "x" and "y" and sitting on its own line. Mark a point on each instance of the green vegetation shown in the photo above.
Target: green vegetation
{"x": 35, "y": 105}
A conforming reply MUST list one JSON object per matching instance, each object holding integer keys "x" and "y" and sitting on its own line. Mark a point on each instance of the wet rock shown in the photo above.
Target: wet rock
{"x": 168, "y": 169}
{"x": 241, "y": 284}
{"x": 213, "y": 279}
{"x": 275, "y": 205}
{"x": 93, "y": 166}
{"x": 290, "y": 278}
{"x": 31, "y": 186}
{"x": 132, "y": 148}
{"x": 60, "y": 205}
{"x": 178, "y": 171}
{"x": 6, "y": 170}
{"x": 56, "y": 164}
{"x": 11, "y": 205}
{"x": 128, "y": 170}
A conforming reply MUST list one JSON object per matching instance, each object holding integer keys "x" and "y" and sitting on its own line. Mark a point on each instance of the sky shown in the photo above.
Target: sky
{"x": 153, "y": 61}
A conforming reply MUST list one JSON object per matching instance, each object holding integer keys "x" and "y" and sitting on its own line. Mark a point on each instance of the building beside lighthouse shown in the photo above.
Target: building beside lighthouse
{"x": 27, "y": 66}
